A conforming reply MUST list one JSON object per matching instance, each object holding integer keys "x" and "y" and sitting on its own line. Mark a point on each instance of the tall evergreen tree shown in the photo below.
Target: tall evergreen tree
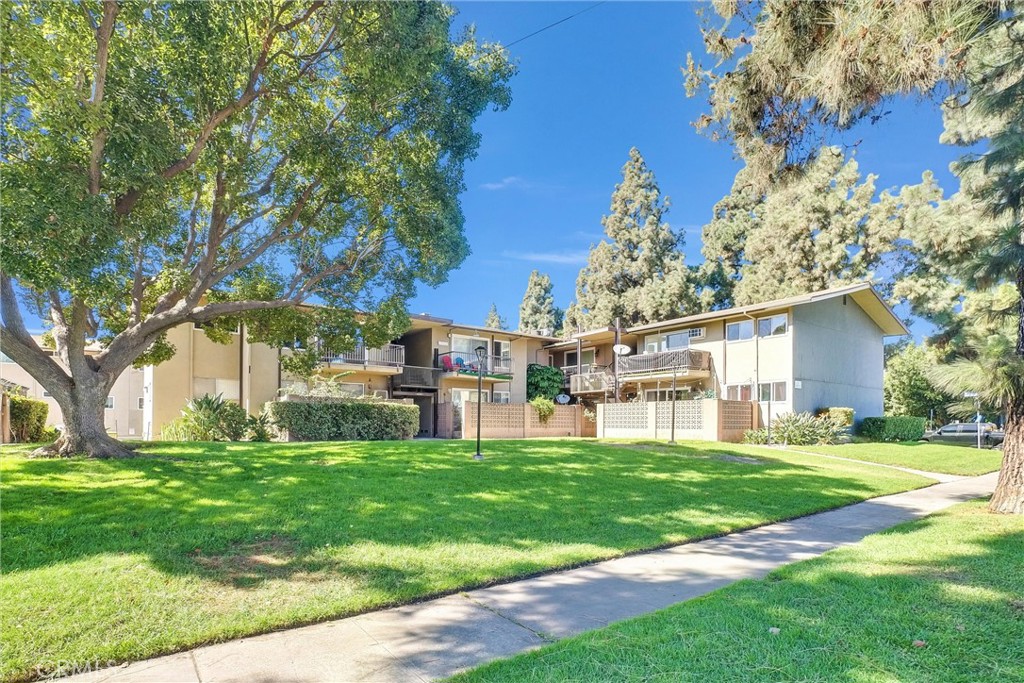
{"x": 495, "y": 321}
{"x": 637, "y": 274}
{"x": 825, "y": 227}
{"x": 538, "y": 312}
{"x": 791, "y": 73}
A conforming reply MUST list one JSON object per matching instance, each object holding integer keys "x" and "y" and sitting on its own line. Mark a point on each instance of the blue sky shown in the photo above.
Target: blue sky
{"x": 588, "y": 90}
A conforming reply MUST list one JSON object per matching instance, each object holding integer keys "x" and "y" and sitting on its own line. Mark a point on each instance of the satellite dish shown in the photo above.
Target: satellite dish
{"x": 562, "y": 399}
{"x": 621, "y": 350}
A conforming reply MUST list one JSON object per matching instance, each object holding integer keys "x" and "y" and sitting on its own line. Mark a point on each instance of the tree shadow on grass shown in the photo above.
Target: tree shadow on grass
{"x": 184, "y": 504}
{"x": 852, "y": 615}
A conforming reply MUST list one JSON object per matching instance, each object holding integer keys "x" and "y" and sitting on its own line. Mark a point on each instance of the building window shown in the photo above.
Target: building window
{"x": 771, "y": 391}
{"x": 739, "y": 331}
{"x": 502, "y": 396}
{"x": 110, "y": 402}
{"x": 142, "y": 402}
{"x": 738, "y": 392}
{"x": 4, "y": 358}
{"x": 353, "y": 389}
{"x": 652, "y": 395}
{"x": 47, "y": 394}
{"x": 588, "y": 359}
{"x": 672, "y": 341}
{"x": 773, "y": 326}
{"x": 503, "y": 354}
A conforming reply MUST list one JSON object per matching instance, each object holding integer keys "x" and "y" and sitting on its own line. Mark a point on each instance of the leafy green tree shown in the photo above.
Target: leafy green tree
{"x": 187, "y": 162}
{"x": 637, "y": 274}
{"x": 544, "y": 381}
{"x": 908, "y": 388}
{"x": 788, "y": 75}
{"x": 494, "y": 320}
{"x": 537, "y": 312}
{"x": 822, "y": 229}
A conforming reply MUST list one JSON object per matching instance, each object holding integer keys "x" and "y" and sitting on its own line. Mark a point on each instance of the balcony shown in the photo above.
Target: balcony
{"x": 495, "y": 368}
{"x": 684, "y": 363}
{"x": 412, "y": 377}
{"x": 591, "y": 382}
{"x": 388, "y": 358}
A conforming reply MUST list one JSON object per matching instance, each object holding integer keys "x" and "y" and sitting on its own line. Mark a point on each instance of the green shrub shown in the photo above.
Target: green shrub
{"x": 892, "y": 428}
{"x": 207, "y": 418}
{"x": 543, "y": 380}
{"x": 28, "y": 419}
{"x": 259, "y": 428}
{"x": 346, "y": 420}
{"x": 234, "y": 421}
{"x": 49, "y": 435}
{"x": 842, "y": 416}
{"x": 545, "y": 408}
{"x": 797, "y": 429}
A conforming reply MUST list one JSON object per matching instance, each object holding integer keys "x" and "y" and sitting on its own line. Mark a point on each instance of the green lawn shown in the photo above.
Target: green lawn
{"x": 194, "y": 543}
{"x": 921, "y": 455}
{"x": 953, "y": 581}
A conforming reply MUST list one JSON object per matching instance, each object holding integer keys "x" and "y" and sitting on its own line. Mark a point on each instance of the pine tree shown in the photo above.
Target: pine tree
{"x": 538, "y": 312}
{"x": 637, "y": 274}
{"x": 790, "y": 73}
{"x": 495, "y": 321}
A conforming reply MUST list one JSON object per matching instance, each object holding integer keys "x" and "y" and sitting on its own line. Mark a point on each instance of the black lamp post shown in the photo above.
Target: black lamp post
{"x": 675, "y": 370}
{"x": 481, "y": 356}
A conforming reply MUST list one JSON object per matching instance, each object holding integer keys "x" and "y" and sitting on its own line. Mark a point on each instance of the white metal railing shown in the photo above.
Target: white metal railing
{"x": 391, "y": 355}
{"x": 459, "y": 361}
{"x": 591, "y": 382}
{"x": 664, "y": 361}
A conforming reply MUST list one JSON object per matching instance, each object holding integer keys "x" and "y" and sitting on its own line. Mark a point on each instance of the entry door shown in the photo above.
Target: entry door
{"x": 426, "y": 406}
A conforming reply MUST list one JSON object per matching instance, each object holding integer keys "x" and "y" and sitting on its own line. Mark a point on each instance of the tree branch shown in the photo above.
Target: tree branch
{"x": 99, "y": 140}
{"x": 22, "y": 348}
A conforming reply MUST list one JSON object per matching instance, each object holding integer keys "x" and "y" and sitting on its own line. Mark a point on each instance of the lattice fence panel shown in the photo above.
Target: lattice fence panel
{"x": 563, "y": 419}
{"x": 689, "y": 415}
{"x": 625, "y": 416}
{"x": 737, "y": 415}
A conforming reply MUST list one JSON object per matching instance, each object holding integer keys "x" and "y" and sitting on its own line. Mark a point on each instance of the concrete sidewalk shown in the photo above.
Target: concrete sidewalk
{"x": 438, "y": 638}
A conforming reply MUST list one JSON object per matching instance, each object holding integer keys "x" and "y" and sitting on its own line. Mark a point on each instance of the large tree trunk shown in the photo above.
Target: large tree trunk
{"x": 1009, "y": 494}
{"x": 84, "y": 429}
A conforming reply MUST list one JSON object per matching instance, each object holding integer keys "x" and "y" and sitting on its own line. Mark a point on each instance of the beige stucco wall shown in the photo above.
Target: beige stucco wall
{"x": 124, "y": 419}
{"x": 839, "y": 354}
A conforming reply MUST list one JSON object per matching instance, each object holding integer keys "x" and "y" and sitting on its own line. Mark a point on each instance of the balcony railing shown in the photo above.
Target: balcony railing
{"x": 416, "y": 377}
{"x": 469, "y": 363}
{"x": 389, "y": 355}
{"x": 591, "y": 382}
{"x": 664, "y": 362}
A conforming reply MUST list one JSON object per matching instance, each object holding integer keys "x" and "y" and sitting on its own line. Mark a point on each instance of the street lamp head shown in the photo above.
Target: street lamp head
{"x": 481, "y": 353}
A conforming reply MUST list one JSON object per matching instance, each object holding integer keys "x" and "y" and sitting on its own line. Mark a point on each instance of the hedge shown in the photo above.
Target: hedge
{"x": 892, "y": 428}
{"x": 28, "y": 419}
{"x": 842, "y": 416}
{"x": 354, "y": 420}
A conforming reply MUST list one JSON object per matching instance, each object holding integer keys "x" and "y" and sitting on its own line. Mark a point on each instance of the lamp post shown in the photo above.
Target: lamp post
{"x": 481, "y": 356}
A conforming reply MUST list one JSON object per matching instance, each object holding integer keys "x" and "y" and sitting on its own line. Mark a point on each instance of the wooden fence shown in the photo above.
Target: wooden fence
{"x": 703, "y": 419}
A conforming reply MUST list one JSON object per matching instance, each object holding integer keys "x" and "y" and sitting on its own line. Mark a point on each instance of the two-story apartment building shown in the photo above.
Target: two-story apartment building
{"x": 124, "y": 409}
{"x": 435, "y": 362}
{"x": 791, "y": 355}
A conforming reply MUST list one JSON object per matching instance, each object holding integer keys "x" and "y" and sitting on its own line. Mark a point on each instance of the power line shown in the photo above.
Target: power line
{"x": 552, "y": 25}
{"x": 538, "y": 31}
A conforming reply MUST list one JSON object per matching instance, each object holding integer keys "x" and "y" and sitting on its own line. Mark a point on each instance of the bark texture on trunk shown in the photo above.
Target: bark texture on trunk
{"x": 84, "y": 430}
{"x": 1008, "y": 497}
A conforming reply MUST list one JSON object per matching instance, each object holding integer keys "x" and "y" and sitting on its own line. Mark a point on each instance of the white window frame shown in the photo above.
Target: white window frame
{"x": 471, "y": 395}
{"x": 110, "y": 403}
{"x": 502, "y": 397}
{"x": 502, "y": 349}
{"x": 142, "y": 403}
{"x": 776, "y": 388}
{"x": 659, "y": 340}
{"x": 583, "y": 362}
{"x": 653, "y": 395}
{"x": 772, "y": 324}
{"x": 734, "y": 392}
{"x": 753, "y": 331}
{"x": 361, "y": 385}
